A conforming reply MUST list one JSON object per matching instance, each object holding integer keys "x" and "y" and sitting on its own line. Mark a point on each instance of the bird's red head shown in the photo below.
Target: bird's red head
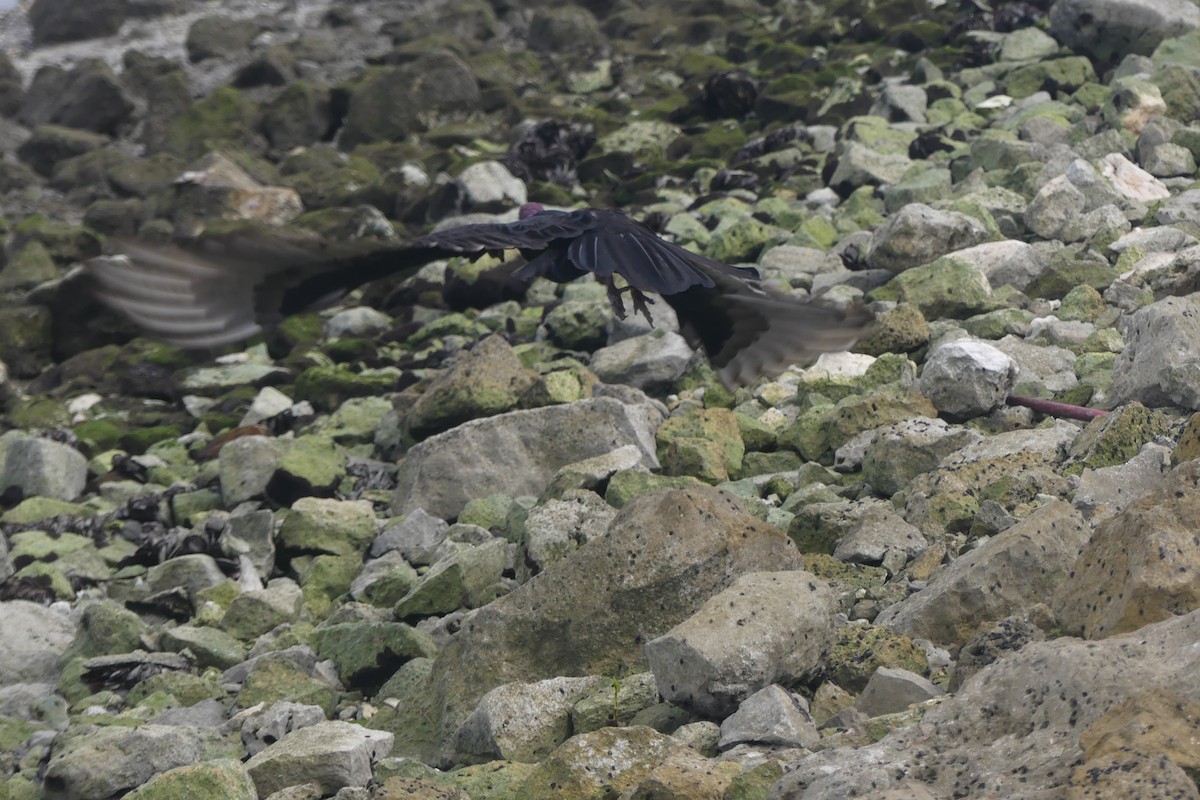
{"x": 529, "y": 209}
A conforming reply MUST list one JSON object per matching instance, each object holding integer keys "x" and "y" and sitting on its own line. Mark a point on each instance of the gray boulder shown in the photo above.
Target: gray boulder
{"x": 1022, "y": 722}
{"x": 522, "y": 721}
{"x": 891, "y": 690}
{"x": 966, "y": 378}
{"x": 771, "y": 716}
{"x": 918, "y": 234}
{"x": 329, "y": 755}
{"x": 1011, "y": 572}
{"x": 518, "y": 453}
{"x": 34, "y": 637}
{"x": 1111, "y": 29}
{"x": 594, "y": 609}
{"x": 43, "y": 468}
{"x": 766, "y": 627}
{"x": 108, "y": 762}
{"x": 1160, "y": 364}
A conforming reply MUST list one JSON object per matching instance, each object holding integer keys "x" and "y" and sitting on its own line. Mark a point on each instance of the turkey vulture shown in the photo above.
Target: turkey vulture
{"x": 223, "y": 289}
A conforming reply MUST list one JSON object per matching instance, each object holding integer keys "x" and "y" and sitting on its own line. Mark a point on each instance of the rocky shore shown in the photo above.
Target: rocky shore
{"x": 431, "y": 543}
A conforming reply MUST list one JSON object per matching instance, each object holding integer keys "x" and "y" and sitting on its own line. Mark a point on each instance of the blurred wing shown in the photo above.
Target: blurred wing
{"x": 224, "y": 288}
{"x": 178, "y": 297}
{"x": 748, "y": 333}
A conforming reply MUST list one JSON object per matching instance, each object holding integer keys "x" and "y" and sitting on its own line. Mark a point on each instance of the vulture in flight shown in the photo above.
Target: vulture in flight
{"x": 220, "y": 290}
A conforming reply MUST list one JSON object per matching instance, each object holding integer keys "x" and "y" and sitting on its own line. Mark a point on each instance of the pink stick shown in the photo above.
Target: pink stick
{"x": 1056, "y": 409}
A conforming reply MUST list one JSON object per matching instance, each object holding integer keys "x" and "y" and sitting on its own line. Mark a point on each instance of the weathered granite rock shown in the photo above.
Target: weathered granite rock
{"x": 253, "y": 613}
{"x": 246, "y": 465}
{"x": 609, "y": 759}
{"x": 417, "y": 538}
{"x": 109, "y": 761}
{"x": 209, "y": 780}
{"x": 658, "y": 539}
{"x": 521, "y": 721}
{"x": 903, "y": 450}
{"x": 556, "y": 527}
{"x": 1051, "y": 692}
{"x": 264, "y": 728}
{"x": 1110, "y": 29}
{"x": 891, "y": 690}
{"x": 765, "y": 627}
{"x": 466, "y": 578}
{"x": 1160, "y": 363}
{"x": 967, "y": 379}
{"x": 918, "y": 234}
{"x": 41, "y": 467}
{"x": 1140, "y": 566}
{"x": 771, "y": 716}
{"x": 34, "y": 638}
{"x": 331, "y": 755}
{"x": 1011, "y": 572}
{"x": 517, "y": 453}
{"x": 651, "y": 362}
{"x": 486, "y": 380}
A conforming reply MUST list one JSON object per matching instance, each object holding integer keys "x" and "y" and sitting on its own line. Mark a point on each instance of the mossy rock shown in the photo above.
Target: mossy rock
{"x": 859, "y": 650}
{"x": 327, "y": 387}
{"x": 227, "y": 116}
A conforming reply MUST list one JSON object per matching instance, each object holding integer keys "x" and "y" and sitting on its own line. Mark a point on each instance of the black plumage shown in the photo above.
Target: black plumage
{"x": 225, "y": 288}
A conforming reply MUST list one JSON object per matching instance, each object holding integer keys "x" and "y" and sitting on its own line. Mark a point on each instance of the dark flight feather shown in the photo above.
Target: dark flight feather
{"x": 223, "y": 289}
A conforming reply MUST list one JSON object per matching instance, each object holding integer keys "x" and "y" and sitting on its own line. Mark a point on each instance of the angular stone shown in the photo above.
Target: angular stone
{"x": 766, "y": 627}
{"x": 109, "y": 762}
{"x": 466, "y": 578}
{"x": 1140, "y": 566}
{"x": 918, "y": 234}
{"x": 1160, "y": 364}
{"x": 1008, "y": 574}
{"x": 521, "y": 721}
{"x": 43, "y": 468}
{"x": 891, "y": 690}
{"x": 772, "y": 716}
{"x": 533, "y": 632}
{"x": 518, "y": 452}
{"x": 35, "y": 637}
{"x": 331, "y": 755}
{"x": 967, "y": 379}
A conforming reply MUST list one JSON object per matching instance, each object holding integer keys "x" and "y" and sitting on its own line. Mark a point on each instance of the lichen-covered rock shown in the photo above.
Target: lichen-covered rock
{"x": 1111, "y": 30}
{"x": 608, "y": 759}
{"x": 468, "y": 577}
{"x": 918, "y": 234}
{"x": 1159, "y": 363}
{"x": 766, "y": 627}
{"x": 518, "y": 452}
{"x": 367, "y": 653}
{"x": 967, "y": 379}
{"x": 36, "y": 637}
{"x": 901, "y": 451}
{"x": 210, "y": 780}
{"x": 114, "y": 760}
{"x": 526, "y": 634}
{"x": 1054, "y": 691}
{"x": 1011, "y": 572}
{"x": 330, "y": 755}
{"x": 489, "y": 379}
{"x": 1140, "y": 565}
{"x": 521, "y": 721}
{"x": 393, "y": 102}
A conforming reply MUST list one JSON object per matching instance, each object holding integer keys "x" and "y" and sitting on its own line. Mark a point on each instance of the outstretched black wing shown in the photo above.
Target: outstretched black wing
{"x": 224, "y": 288}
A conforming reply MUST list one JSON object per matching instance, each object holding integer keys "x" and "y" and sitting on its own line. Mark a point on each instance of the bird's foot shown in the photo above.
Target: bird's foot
{"x": 641, "y": 303}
